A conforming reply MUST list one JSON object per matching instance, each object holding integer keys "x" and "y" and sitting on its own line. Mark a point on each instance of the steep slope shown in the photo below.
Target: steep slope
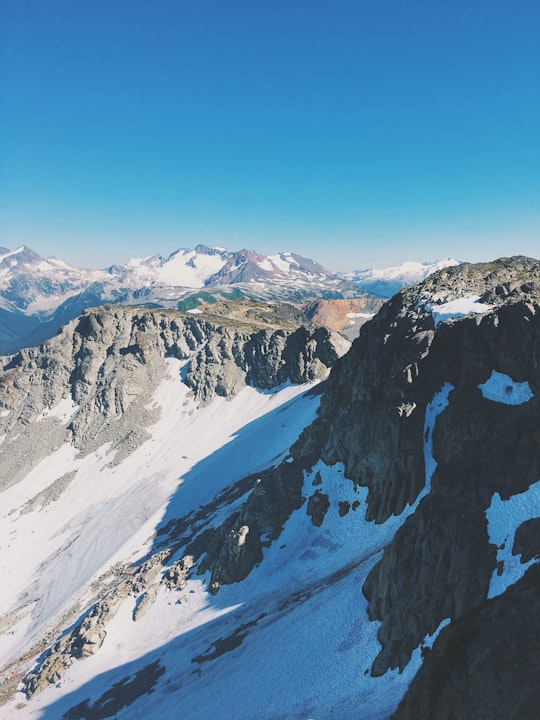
{"x": 403, "y": 518}
{"x": 98, "y": 424}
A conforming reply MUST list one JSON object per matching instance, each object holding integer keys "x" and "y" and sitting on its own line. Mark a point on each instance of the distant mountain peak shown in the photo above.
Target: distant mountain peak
{"x": 387, "y": 281}
{"x": 48, "y": 292}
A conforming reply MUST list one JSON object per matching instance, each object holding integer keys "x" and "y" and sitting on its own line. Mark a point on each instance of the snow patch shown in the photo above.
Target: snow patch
{"x": 63, "y": 411}
{"x": 283, "y": 262}
{"x": 501, "y": 388}
{"x": 503, "y": 518}
{"x": 360, "y": 315}
{"x": 458, "y": 308}
{"x": 266, "y": 265}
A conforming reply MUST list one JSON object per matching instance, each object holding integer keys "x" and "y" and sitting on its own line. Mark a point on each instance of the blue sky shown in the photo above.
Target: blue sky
{"x": 358, "y": 133}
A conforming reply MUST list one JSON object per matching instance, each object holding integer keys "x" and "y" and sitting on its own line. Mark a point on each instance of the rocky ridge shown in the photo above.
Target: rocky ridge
{"x": 372, "y": 418}
{"x": 92, "y": 383}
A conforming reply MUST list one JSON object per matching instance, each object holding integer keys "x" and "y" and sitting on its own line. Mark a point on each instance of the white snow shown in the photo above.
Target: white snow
{"x": 433, "y": 410}
{"x": 49, "y": 303}
{"x": 282, "y": 261}
{"x": 501, "y": 388}
{"x": 504, "y": 517}
{"x": 11, "y": 253}
{"x": 407, "y": 272}
{"x": 183, "y": 268}
{"x": 457, "y": 308}
{"x": 360, "y": 315}
{"x": 138, "y": 262}
{"x": 195, "y": 311}
{"x": 67, "y": 542}
{"x": 412, "y": 270}
{"x": 63, "y": 411}
{"x": 266, "y": 265}
{"x": 315, "y": 639}
{"x": 176, "y": 271}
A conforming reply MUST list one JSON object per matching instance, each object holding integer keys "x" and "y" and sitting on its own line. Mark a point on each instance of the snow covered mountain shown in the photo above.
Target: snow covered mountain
{"x": 388, "y": 281}
{"x": 38, "y": 295}
{"x": 193, "y": 522}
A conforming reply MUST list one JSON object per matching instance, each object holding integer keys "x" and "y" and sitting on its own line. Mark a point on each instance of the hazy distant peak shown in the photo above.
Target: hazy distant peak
{"x": 387, "y": 281}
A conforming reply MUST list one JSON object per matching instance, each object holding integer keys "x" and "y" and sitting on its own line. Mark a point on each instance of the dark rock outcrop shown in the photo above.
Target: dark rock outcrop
{"x": 485, "y": 665}
{"x": 527, "y": 540}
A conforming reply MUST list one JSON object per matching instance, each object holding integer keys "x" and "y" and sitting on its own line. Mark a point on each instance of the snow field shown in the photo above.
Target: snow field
{"x": 106, "y": 513}
{"x": 433, "y": 410}
{"x": 309, "y": 586}
{"x": 305, "y": 641}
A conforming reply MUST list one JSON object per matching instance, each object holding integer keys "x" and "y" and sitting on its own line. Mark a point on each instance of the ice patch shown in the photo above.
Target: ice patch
{"x": 504, "y": 517}
{"x": 501, "y": 388}
{"x": 457, "y": 308}
{"x": 360, "y": 315}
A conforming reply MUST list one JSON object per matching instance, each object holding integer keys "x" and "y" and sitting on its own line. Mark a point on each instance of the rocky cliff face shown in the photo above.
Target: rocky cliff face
{"x": 372, "y": 418}
{"x": 93, "y": 382}
{"x": 453, "y": 331}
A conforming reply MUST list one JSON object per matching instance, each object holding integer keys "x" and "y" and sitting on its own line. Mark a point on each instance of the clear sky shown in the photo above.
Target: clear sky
{"x": 355, "y": 132}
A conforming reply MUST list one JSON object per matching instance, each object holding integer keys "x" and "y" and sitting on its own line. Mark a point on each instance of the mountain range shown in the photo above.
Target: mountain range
{"x": 38, "y": 295}
{"x": 235, "y": 513}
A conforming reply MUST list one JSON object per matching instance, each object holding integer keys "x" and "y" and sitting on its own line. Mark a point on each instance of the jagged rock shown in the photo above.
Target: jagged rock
{"x": 108, "y": 362}
{"x": 372, "y": 419}
{"x": 236, "y": 546}
{"x": 317, "y": 506}
{"x": 177, "y": 574}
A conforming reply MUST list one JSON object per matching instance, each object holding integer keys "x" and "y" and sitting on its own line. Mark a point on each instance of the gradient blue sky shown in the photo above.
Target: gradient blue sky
{"x": 358, "y": 133}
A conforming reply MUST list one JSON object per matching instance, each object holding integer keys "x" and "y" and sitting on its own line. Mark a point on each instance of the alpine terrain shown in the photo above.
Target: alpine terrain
{"x": 38, "y": 295}
{"x": 236, "y": 513}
